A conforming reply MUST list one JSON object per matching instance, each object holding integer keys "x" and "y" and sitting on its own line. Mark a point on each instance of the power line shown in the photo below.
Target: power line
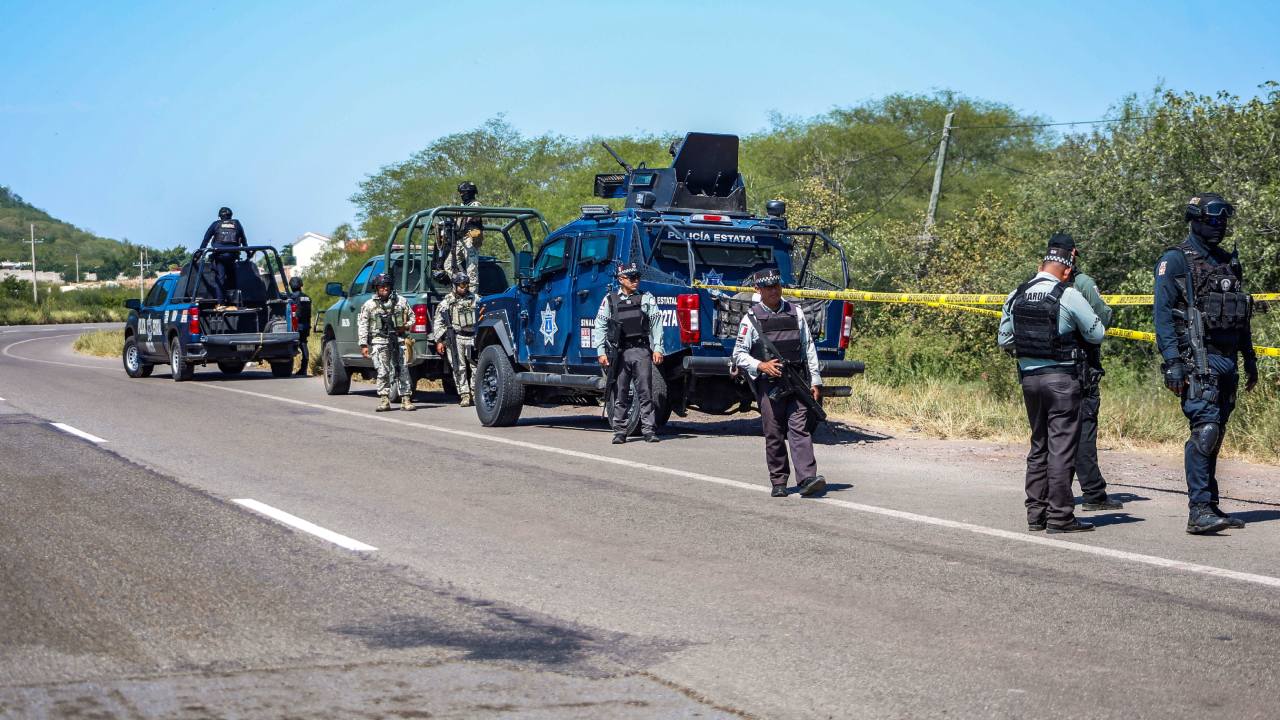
{"x": 896, "y": 193}
{"x": 856, "y": 160}
{"x": 1052, "y": 124}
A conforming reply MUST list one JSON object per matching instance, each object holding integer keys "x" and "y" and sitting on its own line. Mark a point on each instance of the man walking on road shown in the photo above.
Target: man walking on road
{"x": 454, "y": 334}
{"x": 773, "y": 339}
{"x": 382, "y": 322}
{"x": 1046, "y": 325}
{"x": 627, "y": 336}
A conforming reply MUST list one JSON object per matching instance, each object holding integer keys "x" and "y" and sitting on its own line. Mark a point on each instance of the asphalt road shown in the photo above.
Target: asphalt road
{"x": 539, "y": 571}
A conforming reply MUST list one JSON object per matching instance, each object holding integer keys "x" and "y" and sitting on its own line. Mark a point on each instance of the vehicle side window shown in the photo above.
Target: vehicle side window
{"x": 552, "y": 257}
{"x": 158, "y": 294}
{"x": 362, "y": 277}
{"x": 595, "y": 249}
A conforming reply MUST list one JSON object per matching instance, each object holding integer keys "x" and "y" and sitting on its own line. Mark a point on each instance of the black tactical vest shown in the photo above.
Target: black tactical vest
{"x": 627, "y": 313}
{"x": 783, "y": 330}
{"x": 226, "y": 234}
{"x": 1035, "y": 324}
{"x": 1219, "y": 293}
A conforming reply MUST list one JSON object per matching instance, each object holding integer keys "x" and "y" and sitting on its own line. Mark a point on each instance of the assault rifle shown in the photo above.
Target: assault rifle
{"x": 1204, "y": 384}
{"x": 795, "y": 380}
{"x": 444, "y": 248}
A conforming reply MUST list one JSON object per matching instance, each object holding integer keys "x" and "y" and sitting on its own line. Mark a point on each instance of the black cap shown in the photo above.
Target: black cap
{"x": 766, "y": 278}
{"x": 1062, "y": 241}
{"x": 631, "y": 268}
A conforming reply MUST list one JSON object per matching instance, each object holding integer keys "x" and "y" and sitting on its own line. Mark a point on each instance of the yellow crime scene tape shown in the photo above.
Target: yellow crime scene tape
{"x": 965, "y": 302}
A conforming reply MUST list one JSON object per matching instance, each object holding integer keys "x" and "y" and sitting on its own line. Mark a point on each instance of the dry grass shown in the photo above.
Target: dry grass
{"x": 100, "y": 343}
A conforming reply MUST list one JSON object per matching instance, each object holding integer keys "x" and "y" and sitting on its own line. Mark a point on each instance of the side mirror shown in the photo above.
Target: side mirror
{"x": 524, "y": 265}
{"x": 334, "y": 289}
{"x": 133, "y": 304}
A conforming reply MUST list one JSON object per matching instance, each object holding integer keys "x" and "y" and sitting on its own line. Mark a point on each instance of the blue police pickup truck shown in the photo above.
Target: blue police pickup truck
{"x": 181, "y": 324}
{"x": 685, "y": 223}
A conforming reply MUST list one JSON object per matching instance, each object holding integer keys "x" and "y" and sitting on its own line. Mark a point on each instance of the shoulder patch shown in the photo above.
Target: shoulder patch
{"x": 1164, "y": 265}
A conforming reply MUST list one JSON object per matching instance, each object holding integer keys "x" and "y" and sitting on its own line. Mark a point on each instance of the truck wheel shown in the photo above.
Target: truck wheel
{"x": 499, "y": 395}
{"x": 133, "y": 365}
{"x": 182, "y": 371}
{"x": 282, "y": 368}
{"x": 661, "y": 403}
{"x": 336, "y": 379}
{"x": 230, "y": 367}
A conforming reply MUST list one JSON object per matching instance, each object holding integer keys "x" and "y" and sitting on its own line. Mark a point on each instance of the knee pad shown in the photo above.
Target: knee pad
{"x": 1206, "y": 438}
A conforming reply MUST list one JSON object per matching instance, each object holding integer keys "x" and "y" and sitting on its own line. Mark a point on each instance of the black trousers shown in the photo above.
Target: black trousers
{"x": 1208, "y": 416}
{"x": 785, "y": 425}
{"x": 1093, "y": 488}
{"x": 1053, "y": 411}
{"x": 306, "y": 353}
{"x": 224, "y": 273}
{"x": 633, "y": 363}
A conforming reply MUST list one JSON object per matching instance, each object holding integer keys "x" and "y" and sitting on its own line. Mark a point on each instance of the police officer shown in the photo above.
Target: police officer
{"x": 1093, "y": 487}
{"x": 454, "y": 334}
{"x": 1202, "y": 319}
{"x": 382, "y": 322}
{"x": 464, "y": 256}
{"x": 304, "y": 321}
{"x": 773, "y": 332}
{"x": 1046, "y": 324}
{"x": 225, "y": 233}
{"x": 628, "y": 340}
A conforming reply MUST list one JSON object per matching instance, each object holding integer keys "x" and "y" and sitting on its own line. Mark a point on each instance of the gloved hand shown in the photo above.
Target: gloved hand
{"x": 1250, "y": 373}
{"x": 1175, "y": 377}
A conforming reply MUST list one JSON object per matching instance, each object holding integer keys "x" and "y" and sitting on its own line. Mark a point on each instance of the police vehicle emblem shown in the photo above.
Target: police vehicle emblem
{"x": 548, "y": 327}
{"x": 711, "y": 277}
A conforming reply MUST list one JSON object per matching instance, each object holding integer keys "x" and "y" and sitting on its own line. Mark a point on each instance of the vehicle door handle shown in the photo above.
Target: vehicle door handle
{"x": 584, "y": 293}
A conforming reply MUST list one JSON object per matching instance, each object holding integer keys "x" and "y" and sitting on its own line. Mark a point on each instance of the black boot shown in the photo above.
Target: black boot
{"x": 619, "y": 438}
{"x": 779, "y": 491}
{"x": 1201, "y": 520}
{"x": 1106, "y": 503}
{"x": 1074, "y": 526}
{"x": 1232, "y": 522}
{"x": 813, "y": 486}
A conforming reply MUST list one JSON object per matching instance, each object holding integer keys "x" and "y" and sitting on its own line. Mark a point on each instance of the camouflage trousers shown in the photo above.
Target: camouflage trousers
{"x": 391, "y": 368}
{"x": 464, "y": 367}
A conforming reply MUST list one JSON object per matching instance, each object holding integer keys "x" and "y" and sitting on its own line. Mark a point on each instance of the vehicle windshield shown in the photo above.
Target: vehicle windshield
{"x": 719, "y": 263}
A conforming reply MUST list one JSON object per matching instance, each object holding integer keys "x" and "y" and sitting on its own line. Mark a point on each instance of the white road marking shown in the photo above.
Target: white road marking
{"x": 1152, "y": 560}
{"x": 78, "y": 433}
{"x": 10, "y": 346}
{"x": 307, "y": 527}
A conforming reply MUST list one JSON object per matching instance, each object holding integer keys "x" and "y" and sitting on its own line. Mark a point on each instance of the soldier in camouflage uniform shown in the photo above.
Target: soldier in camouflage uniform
{"x": 381, "y": 326}
{"x": 465, "y": 255}
{"x": 454, "y": 333}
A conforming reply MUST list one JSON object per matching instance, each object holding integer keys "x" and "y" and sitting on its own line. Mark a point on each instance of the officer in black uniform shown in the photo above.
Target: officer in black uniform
{"x": 1202, "y": 319}
{"x": 224, "y": 233}
{"x": 773, "y": 332}
{"x": 627, "y": 336}
{"x": 304, "y": 321}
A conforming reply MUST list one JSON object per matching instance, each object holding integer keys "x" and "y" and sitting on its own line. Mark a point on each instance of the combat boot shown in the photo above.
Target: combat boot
{"x": 466, "y": 401}
{"x": 1201, "y": 520}
{"x": 384, "y": 404}
{"x": 407, "y": 404}
{"x": 1232, "y": 521}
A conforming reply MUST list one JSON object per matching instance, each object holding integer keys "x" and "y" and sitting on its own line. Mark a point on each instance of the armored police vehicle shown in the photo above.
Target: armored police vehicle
{"x": 412, "y": 250}
{"x": 180, "y": 323}
{"x": 684, "y": 223}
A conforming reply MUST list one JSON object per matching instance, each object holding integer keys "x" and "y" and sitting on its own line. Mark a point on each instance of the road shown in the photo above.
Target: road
{"x": 539, "y": 571}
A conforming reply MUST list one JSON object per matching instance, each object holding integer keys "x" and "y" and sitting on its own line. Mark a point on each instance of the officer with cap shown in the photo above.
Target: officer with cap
{"x": 464, "y": 256}
{"x": 1093, "y": 487}
{"x": 627, "y": 336}
{"x": 381, "y": 324}
{"x": 304, "y": 321}
{"x": 1046, "y": 324}
{"x": 1203, "y": 323}
{"x": 773, "y": 332}
{"x": 454, "y": 334}
{"x": 225, "y": 233}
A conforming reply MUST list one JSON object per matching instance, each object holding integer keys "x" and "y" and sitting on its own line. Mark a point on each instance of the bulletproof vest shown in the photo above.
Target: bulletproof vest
{"x": 304, "y": 312}
{"x": 226, "y": 233}
{"x": 384, "y": 318}
{"x": 1219, "y": 293}
{"x": 463, "y": 316}
{"x": 1035, "y": 324}
{"x": 629, "y": 315}
{"x": 783, "y": 330}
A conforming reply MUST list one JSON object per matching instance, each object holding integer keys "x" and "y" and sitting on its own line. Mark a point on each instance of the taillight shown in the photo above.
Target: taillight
{"x": 846, "y": 325}
{"x": 687, "y": 318}
{"x": 293, "y": 317}
{"x": 421, "y": 319}
{"x": 193, "y": 321}
{"x": 704, "y": 218}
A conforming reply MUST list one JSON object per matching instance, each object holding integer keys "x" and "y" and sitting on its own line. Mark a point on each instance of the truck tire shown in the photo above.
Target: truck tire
{"x": 132, "y": 357}
{"x": 230, "y": 367}
{"x": 336, "y": 379}
{"x": 499, "y": 395}
{"x": 661, "y": 405}
{"x": 282, "y": 368}
{"x": 182, "y": 370}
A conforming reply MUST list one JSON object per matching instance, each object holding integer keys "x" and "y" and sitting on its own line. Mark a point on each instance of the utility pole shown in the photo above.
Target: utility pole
{"x": 142, "y": 266}
{"x": 35, "y": 294}
{"x": 931, "y": 217}
{"x": 77, "y": 268}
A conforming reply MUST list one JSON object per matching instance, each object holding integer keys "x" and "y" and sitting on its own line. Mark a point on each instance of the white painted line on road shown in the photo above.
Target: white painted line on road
{"x": 307, "y": 527}
{"x": 1152, "y": 560}
{"x": 78, "y": 433}
{"x": 10, "y": 346}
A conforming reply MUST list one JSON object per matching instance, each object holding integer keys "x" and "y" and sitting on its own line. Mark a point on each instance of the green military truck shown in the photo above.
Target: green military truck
{"x": 412, "y": 250}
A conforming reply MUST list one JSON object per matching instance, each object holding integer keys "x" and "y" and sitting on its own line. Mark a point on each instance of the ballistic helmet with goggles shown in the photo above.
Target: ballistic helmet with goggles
{"x": 461, "y": 278}
{"x": 381, "y": 280}
{"x": 1208, "y": 207}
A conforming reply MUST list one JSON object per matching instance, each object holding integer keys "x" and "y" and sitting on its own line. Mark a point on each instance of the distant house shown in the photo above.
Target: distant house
{"x": 51, "y": 278}
{"x": 307, "y": 248}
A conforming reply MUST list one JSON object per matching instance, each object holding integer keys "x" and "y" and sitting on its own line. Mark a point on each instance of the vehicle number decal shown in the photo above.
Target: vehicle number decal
{"x": 668, "y": 316}
{"x": 585, "y": 326}
{"x": 346, "y": 322}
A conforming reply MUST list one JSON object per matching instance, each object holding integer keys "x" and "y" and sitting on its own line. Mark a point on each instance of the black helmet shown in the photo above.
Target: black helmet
{"x": 460, "y": 277}
{"x": 295, "y": 283}
{"x": 381, "y": 280}
{"x": 1208, "y": 205}
{"x": 224, "y": 213}
{"x": 466, "y": 187}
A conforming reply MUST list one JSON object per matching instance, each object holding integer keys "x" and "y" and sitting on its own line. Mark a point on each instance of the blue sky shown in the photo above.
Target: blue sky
{"x": 139, "y": 119}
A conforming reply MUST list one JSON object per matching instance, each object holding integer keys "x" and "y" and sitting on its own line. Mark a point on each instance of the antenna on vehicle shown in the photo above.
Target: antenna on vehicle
{"x": 617, "y": 157}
